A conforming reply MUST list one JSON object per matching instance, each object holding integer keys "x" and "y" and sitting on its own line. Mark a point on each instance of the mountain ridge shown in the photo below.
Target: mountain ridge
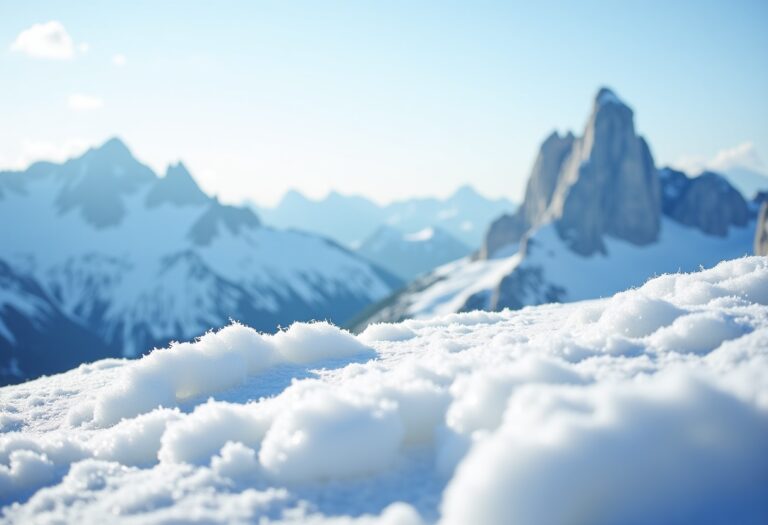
{"x": 465, "y": 214}
{"x": 137, "y": 263}
{"x": 598, "y": 217}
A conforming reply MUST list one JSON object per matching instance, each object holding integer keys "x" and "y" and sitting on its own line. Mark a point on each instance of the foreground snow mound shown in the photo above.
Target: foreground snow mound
{"x": 647, "y": 407}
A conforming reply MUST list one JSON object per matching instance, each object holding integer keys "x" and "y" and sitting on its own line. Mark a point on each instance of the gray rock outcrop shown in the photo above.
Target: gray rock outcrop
{"x": 707, "y": 202}
{"x": 509, "y": 229}
{"x": 608, "y": 184}
{"x": 761, "y": 231}
{"x": 602, "y": 183}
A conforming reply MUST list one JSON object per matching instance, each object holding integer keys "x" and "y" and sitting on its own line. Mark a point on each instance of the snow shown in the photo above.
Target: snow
{"x": 458, "y": 281}
{"x": 387, "y": 332}
{"x": 185, "y": 370}
{"x": 420, "y": 236}
{"x": 623, "y": 266}
{"x": 650, "y": 406}
{"x": 170, "y": 283}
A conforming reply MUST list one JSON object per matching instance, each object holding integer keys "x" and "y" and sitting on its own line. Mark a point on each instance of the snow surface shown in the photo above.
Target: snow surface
{"x": 650, "y": 406}
{"x": 624, "y": 265}
{"x": 421, "y": 235}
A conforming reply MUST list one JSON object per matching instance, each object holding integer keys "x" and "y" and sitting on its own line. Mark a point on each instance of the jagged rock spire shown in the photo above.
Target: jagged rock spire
{"x": 602, "y": 183}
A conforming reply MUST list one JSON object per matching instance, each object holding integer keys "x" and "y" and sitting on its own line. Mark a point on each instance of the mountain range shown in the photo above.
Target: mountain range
{"x": 465, "y": 215}
{"x": 598, "y": 217}
{"x": 102, "y": 257}
{"x": 409, "y": 255}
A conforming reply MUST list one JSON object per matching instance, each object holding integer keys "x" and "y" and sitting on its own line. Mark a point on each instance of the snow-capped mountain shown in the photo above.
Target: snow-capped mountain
{"x": 408, "y": 255}
{"x": 647, "y": 407}
{"x": 138, "y": 260}
{"x": 466, "y": 214}
{"x": 329, "y": 216}
{"x": 598, "y": 217}
{"x": 748, "y": 181}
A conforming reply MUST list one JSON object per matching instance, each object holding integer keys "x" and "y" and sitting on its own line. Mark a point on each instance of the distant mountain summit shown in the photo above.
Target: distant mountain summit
{"x": 598, "y": 217}
{"x": 408, "y": 255}
{"x": 351, "y": 219}
{"x": 102, "y": 249}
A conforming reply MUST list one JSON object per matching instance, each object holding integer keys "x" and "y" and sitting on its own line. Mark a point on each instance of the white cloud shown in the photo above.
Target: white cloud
{"x": 741, "y": 156}
{"x": 48, "y": 40}
{"x": 80, "y": 102}
{"x": 119, "y": 60}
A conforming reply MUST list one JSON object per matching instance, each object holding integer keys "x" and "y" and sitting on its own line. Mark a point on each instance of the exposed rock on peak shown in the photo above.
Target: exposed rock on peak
{"x": 761, "y": 231}
{"x": 113, "y": 148}
{"x": 603, "y": 183}
{"x": 509, "y": 229}
{"x": 97, "y": 182}
{"x": 707, "y": 202}
{"x": 218, "y": 218}
{"x": 177, "y": 187}
{"x": 607, "y": 96}
{"x": 410, "y": 255}
{"x": 608, "y": 185}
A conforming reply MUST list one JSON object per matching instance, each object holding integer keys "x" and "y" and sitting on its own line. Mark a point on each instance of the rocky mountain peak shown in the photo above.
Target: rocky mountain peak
{"x": 605, "y": 95}
{"x": 707, "y": 202}
{"x": 177, "y": 187}
{"x": 97, "y": 182}
{"x": 602, "y": 183}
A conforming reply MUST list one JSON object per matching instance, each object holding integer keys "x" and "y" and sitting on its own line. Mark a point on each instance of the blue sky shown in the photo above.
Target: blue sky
{"x": 386, "y": 99}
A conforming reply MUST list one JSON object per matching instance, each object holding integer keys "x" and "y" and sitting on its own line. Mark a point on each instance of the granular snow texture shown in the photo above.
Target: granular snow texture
{"x": 647, "y": 407}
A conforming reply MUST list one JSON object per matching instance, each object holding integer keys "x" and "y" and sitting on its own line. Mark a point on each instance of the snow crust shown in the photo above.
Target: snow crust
{"x": 624, "y": 265}
{"x": 421, "y": 235}
{"x": 650, "y": 406}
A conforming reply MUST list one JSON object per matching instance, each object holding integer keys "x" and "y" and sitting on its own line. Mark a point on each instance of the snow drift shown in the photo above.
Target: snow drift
{"x": 647, "y": 407}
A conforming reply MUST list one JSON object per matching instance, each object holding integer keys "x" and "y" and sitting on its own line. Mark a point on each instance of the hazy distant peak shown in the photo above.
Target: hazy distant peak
{"x": 219, "y": 218}
{"x": 176, "y": 187}
{"x": 177, "y": 170}
{"x": 113, "y": 150}
{"x": 293, "y": 196}
{"x": 98, "y": 182}
{"x": 465, "y": 190}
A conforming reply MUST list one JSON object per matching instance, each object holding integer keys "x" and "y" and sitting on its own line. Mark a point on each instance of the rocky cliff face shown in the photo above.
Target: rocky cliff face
{"x": 602, "y": 183}
{"x": 761, "y": 231}
{"x": 608, "y": 185}
{"x": 509, "y": 229}
{"x": 597, "y": 217}
{"x": 707, "y": 202}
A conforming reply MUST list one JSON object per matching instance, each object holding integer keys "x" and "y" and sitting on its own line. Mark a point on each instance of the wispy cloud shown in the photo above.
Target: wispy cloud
{"x": 80, "y": 102}
{"x": 741, "y": 156}
{"x": 119, "y": 60}
{"x": 48, "y": 40}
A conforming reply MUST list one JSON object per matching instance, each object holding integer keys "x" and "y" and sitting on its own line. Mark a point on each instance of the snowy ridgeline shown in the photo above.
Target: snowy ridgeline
{"x": 647, "y": 407}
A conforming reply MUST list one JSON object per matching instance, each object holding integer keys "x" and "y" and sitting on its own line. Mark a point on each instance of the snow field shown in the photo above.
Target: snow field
{"x": 650, "y": 406}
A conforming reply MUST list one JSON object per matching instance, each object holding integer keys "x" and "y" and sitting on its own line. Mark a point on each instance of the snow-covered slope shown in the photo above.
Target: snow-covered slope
{"x": 647, "y": 407}
{"x": 408, "y": 255}
{"x": 548, "y": 271}
{"x": 140, "y": 260}
{"x": 597, "y": 217}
